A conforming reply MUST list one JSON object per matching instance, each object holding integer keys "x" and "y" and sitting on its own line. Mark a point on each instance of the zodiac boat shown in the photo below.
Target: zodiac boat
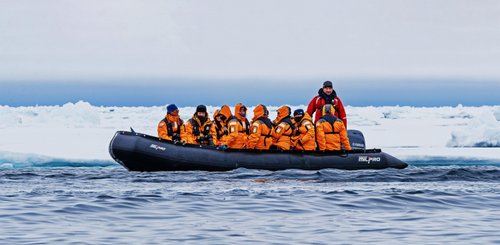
{"x": 141, "y": 152}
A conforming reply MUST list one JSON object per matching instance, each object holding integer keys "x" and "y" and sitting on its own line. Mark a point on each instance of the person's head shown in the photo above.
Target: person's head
{"x": 328, "y": 87}
{"x": 201, "y": 111}
{"x": 240, "y": 110}
{"x": 225, "y": 113}
{"x": 283, "y": 112}
{"x": 328, "y": 109}
{"x": 298, "y": 115}
{"x": 260, "y": 111}
{"x": 217, "y": 116}
{"x": 172, "y": 110}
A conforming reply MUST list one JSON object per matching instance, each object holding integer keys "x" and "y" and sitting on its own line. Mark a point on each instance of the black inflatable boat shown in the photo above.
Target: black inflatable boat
{"x": 140, "y": 152}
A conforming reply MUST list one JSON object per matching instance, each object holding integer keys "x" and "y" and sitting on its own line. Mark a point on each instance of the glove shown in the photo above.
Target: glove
{"x": 222, "y": 147}
{"x": 184, "y": 143}
{"x": 200, "y": 139}
{"x": 175, "y": 136}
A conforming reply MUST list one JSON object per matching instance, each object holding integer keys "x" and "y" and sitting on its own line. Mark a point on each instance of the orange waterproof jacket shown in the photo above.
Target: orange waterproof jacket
{"x": 331, "y": 132}
{"x": 236, "y": 135}
{"x": 196, "y": 130}
{"x": 218, "y": 130}
{"x": 306, "y": 138}
{"x": 284, "y": 129}
{"x": 169, "y": 128}
{"x": 260, "y": 131}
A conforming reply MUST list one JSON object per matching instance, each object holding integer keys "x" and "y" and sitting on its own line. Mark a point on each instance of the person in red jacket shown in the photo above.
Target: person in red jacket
{"x": 327, "y": 95}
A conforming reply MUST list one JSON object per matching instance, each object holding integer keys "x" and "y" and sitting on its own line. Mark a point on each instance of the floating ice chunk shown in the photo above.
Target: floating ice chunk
{"x": 482, "y": 131}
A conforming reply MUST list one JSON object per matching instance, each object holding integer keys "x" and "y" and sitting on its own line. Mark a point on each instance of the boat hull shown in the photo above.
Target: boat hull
{"x": 140, "y": 152}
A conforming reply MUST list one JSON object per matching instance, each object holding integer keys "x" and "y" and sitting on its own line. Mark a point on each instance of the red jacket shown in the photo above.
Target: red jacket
{"x": 317, "y": 103}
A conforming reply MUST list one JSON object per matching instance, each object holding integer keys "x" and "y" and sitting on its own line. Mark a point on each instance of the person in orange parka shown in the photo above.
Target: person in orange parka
{"x": 330, "y": 131}
{"x": 237, "y": 130}
{"x": 169, "y": 128}
{"x": 197, "y": 129}
{"x": 260, "y": 132}
{"x": 218, "y": 129}
{"x": 284, "y": 129}
{"x": 305, "y": 136}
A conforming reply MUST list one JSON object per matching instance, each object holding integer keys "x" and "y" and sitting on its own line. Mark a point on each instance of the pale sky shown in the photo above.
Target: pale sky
{"x": 89, "y": 40}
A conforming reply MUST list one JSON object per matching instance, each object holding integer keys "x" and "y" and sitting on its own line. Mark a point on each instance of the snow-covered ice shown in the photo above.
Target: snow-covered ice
{"x": 81, "y": 132}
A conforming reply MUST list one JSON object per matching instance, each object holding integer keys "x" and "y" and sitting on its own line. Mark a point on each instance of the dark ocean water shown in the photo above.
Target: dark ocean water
{"x": 428, "y": 203}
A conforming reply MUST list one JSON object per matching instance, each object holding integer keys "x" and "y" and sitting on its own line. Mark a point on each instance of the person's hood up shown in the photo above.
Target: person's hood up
{"x": 258, "y": 112}
{"x": 237, "y": 108}
{"x": 225, "y": 111}
{"x": 283, "y": 112}
{"x": 306, "y": 117}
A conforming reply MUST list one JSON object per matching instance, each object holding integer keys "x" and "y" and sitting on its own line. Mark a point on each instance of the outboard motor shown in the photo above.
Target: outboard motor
{"x": 356, "y": 139}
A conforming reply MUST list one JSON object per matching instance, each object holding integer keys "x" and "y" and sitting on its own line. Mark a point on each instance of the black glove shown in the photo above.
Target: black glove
{"x": 200, "y": 139}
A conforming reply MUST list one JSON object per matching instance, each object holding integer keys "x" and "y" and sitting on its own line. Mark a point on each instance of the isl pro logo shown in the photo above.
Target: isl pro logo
{"x": 157, "y": 147}
{"x": 368, "y": 159}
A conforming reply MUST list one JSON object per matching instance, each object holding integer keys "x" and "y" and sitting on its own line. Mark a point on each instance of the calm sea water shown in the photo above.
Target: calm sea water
{"x": 427, "y": 203}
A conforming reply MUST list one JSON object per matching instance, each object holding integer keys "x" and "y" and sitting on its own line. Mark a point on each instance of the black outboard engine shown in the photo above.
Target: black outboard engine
{"x": 356, "y": 139}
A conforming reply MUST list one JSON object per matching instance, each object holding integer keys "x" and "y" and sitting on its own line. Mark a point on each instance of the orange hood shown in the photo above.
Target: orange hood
{"x": 283, "y": 112}
{"x": 225, "y": 111}
{"x": 306, "y": 117}
{"x": 216, "y": 113}
{"x": 259, "y": 111}
{"x": 237, "y": 108}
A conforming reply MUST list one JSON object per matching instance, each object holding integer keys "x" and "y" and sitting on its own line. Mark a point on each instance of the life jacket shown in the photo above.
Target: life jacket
{"x": 266, "y": 121}
{"x": 246, "y": 129}
{"x": 330, "y": 119}
{"x": 170, "y": 130}
{"x": 292, "y": 126}
{"x": 196, "y": 128}
{"x": 220, "y": 130}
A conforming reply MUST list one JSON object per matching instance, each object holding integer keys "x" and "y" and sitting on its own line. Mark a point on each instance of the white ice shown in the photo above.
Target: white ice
{"x": 82, "y": 132}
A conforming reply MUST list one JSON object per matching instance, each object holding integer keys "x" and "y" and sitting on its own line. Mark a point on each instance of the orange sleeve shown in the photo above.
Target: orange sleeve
{"x": 309, "y": 134}
{"x": 320, "y": 136}
{"x": 278, "y": 131}
{"x": 213, "y": 133}
{"x": 254, "y": 136}
{"x": 344, "y": 139}
{"x": 233, "y": 129}
{"x": 187, "y": 133}
{"x": 162, "y": 130}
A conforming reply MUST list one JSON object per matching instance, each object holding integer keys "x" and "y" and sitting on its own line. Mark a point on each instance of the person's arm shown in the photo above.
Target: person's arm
{"x": 342, "y": 114}
{"x": 162, "y": 130}
{"x": 311, "y": 108}
{"x": 320, "y": 137}
{"x": 213, "y": 133}
{"x": 254, "y": 136}
{"x": 233, "y": 129}
{"x": 187, "y": 133}
{"x": 309, "y": 134}
{"x": 344, "y": 139}
{"x": 278, "y": 131}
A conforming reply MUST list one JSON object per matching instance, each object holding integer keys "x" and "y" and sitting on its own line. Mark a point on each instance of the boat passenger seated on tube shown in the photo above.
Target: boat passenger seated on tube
{"x": 260, "y": 131}
{"x": 197, "y": 129}
{"x": 305, "y": 135}
{"x": 169, "y": 128}
{"x": 330, "y": 131}
{"x": 218, "y": 129}
{"x": 284, "y": 129}
{"x": 237, "y": 128}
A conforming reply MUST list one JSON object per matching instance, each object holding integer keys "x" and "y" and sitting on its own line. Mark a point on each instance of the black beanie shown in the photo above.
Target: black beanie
{"x": 201, "y": 108}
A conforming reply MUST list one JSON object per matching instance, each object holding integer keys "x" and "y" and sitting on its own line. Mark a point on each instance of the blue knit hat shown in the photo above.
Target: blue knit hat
{"x": 171, "y": 108}
{"x": 298, "y": 112}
